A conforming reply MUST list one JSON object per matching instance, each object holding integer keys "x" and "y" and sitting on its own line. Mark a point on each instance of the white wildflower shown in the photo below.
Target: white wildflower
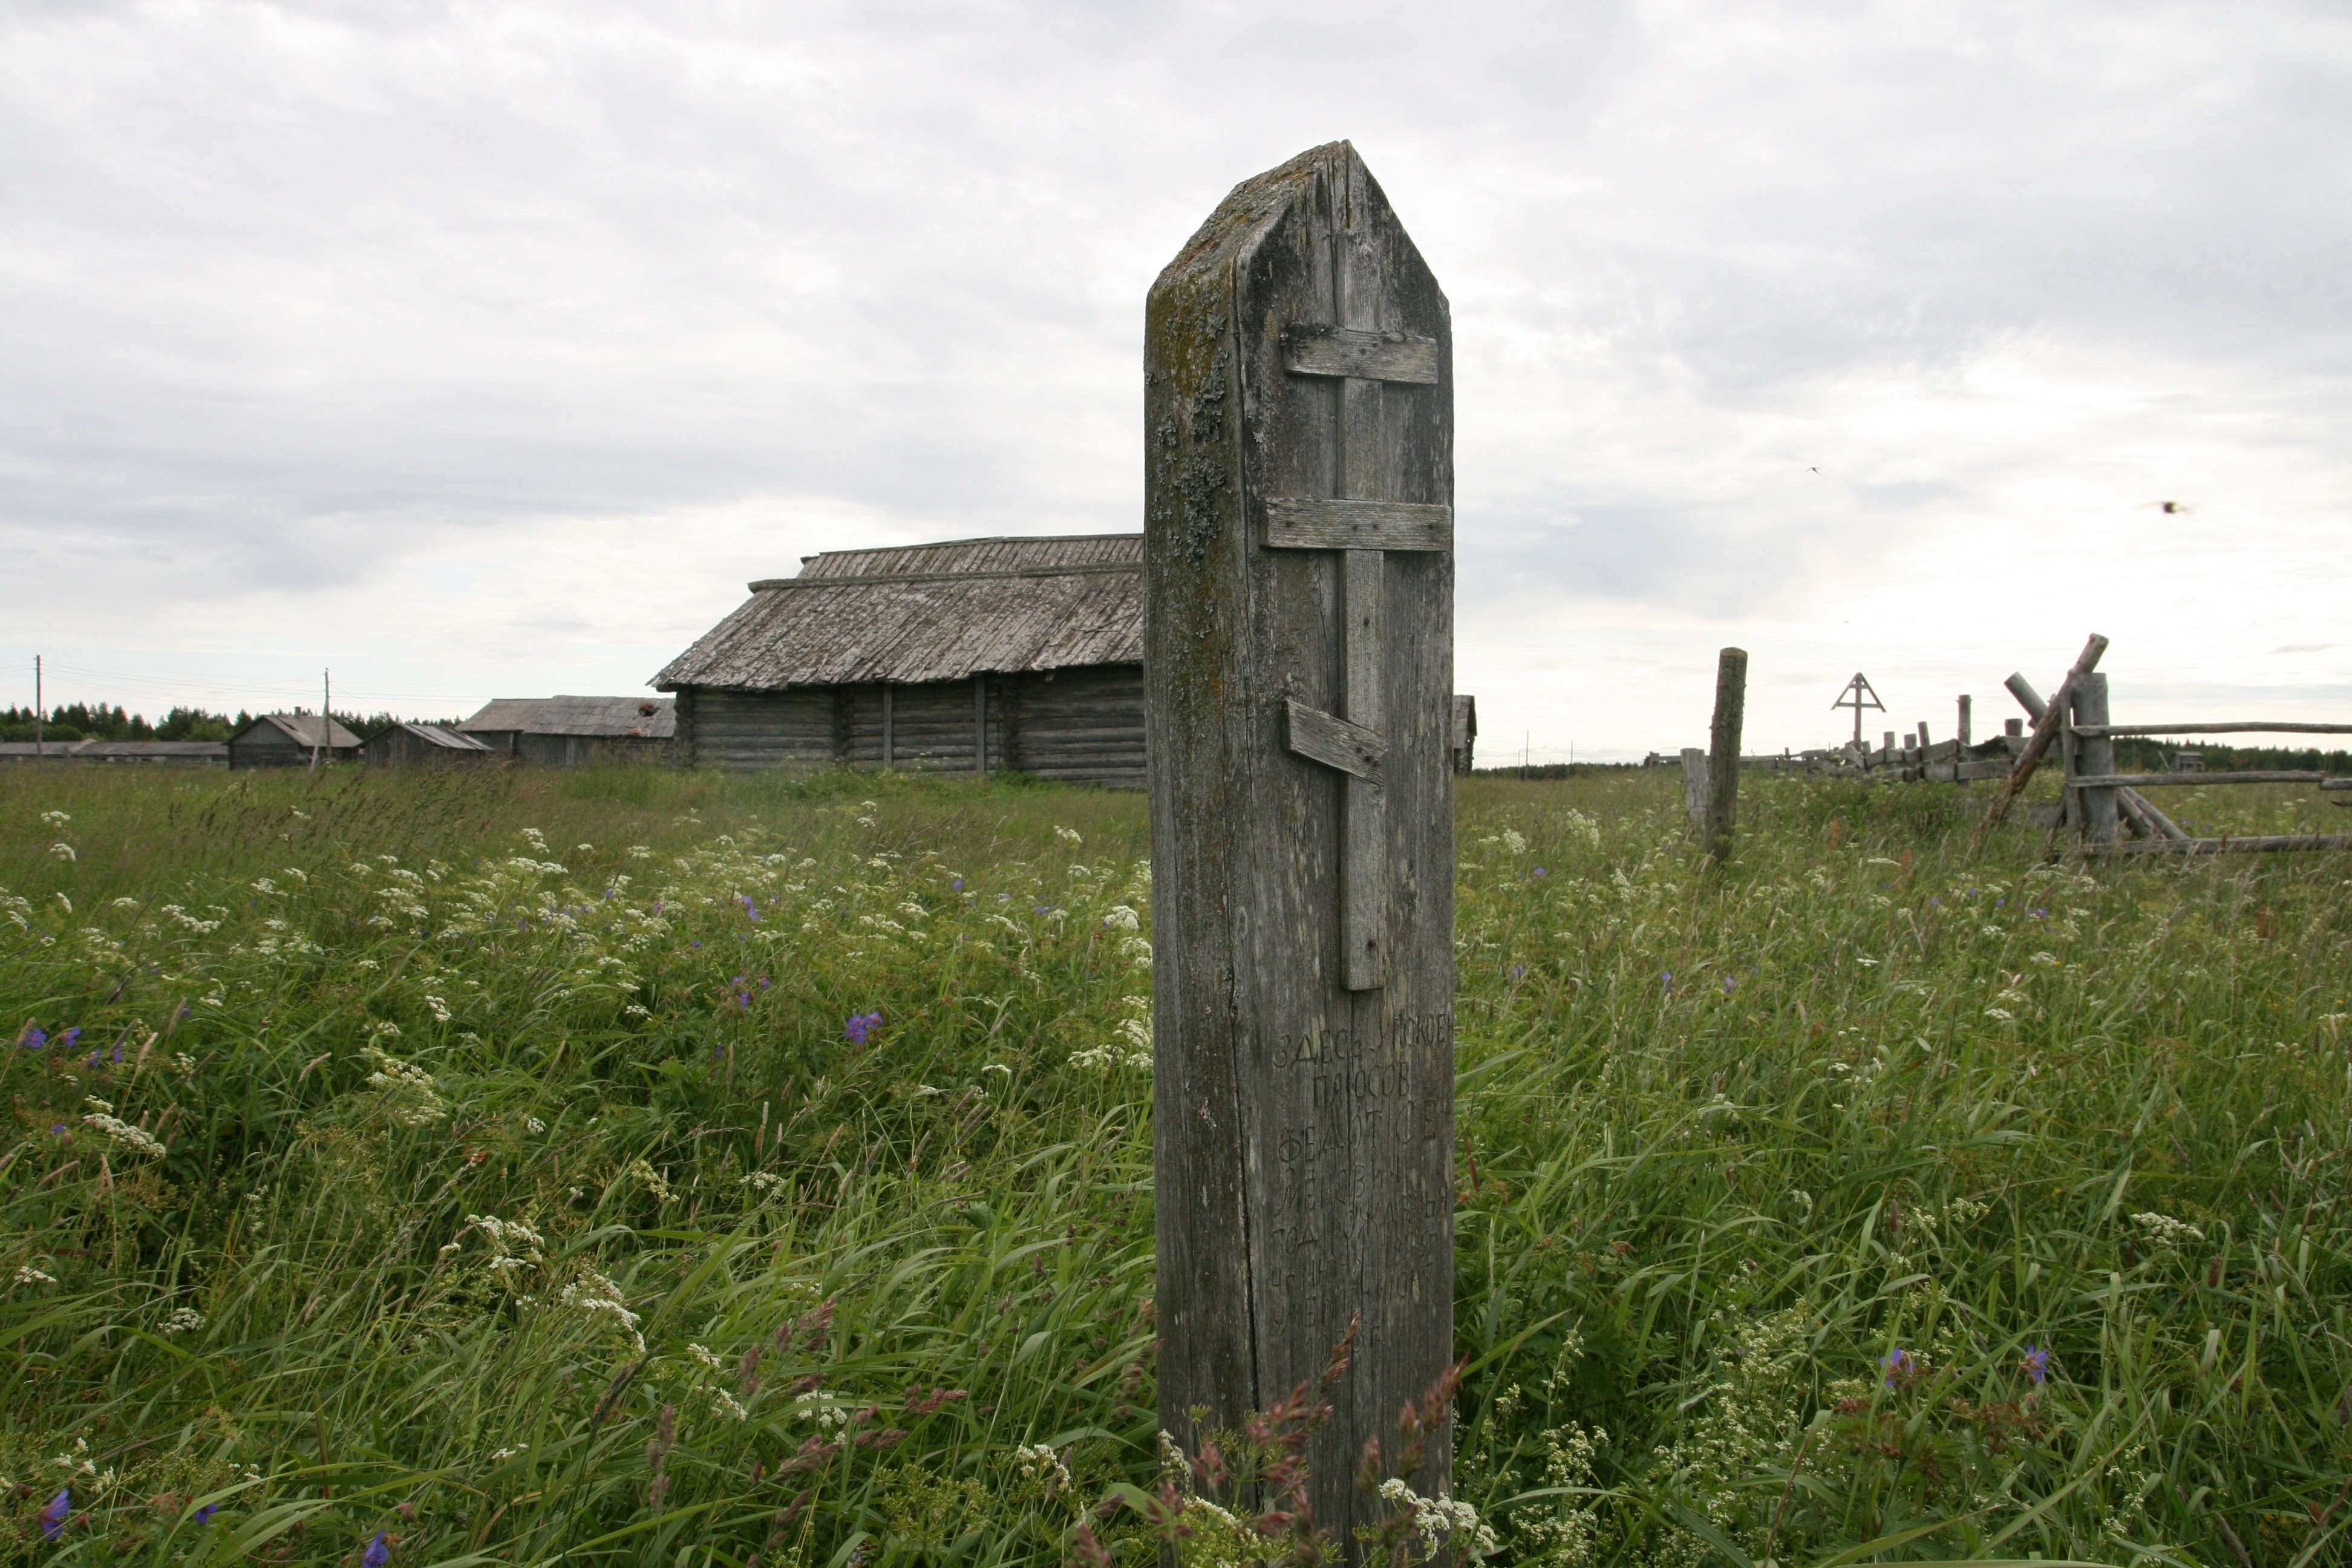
{"x": 2166, "y": 1231}
{"x": 182, "y": 1321}
{"x": 124, "y": 1133}
{"x": 534, "y": 1124}
{"x": 997, "y": 1066}
{"x": 727, "y": 1404}
{"x": 440, "y": 1009}
{"x": 54, "y": 818}
{"x": 28, "y": 1275}
{"x": 1123, "y": 918}
{"x": 765, "y": 1183}
{"x": 409, "y": 1091}
{"x": 706, "y": 1357}
{"x": 63, "y": 852}
{"x": 1514, "y": 841}
{"x": 1044, "y": 1465}
{"x": 655, "y": 1181}
{"x": 1438, "y": 1516}
{"x": 500, "y": 1456}
{"x": 1068, "y": 836}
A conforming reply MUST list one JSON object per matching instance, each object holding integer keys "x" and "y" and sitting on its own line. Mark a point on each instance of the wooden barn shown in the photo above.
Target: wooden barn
{"x": 573, "y": 731}
{"x": 965, "y": 656}
{"x": 423, "y": 746}
{"x": 284, "y": 740}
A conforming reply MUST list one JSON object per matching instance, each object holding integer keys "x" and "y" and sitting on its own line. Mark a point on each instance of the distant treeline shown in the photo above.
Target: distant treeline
{"x": 88, "y": 721}
{"x": 2141, "y": 755}
{"x": 1551, "y": 771}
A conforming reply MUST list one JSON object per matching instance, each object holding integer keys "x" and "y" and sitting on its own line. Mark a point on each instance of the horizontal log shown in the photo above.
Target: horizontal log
{"x": 1372, "y": 356}
{"x": 1300, "y": 523}
{"x": 2146, "y": 781}
{"x": 2256, "y": 844}
{"x": 2251, "y": 727}
{"x": 1988, "y": 768}
{"x": 2336, "y": 783}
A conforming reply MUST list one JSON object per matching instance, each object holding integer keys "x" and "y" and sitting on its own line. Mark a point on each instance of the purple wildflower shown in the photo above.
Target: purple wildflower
{"x": 33, "y": 1038}
{"x": 1538, "y": 872}
{"x": 748, "y": 906}
{"x": 70, "y": 1036}
{"x": 957, "y": 883}
{"x": 2036, "y": 1363}
{"x": 205, "y": 1514}
{"x": 53, "y": 1517}
{"x": 378, "y": 1552}
{"x": 1668, "y": 979}
{"x": 1898, "y": 1364}
{"x": 858, "y": 1025}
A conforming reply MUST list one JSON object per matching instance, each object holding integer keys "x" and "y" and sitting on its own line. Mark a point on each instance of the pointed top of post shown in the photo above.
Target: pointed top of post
{"x": 1254, "y": 207}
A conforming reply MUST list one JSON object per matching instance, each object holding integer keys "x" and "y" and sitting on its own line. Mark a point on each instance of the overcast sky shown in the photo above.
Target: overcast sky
{"x": 489, "y": 350}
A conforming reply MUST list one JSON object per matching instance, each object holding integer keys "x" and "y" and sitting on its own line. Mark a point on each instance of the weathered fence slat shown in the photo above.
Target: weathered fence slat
{"x": 2093, "y": 755}
{"x": 1298, "y": 671}
{"x": 2150, "y": 781}
{"x": 2250, "y": 727}
{"x": 2138, "y": 807}
{"x": 2257, "y": 844}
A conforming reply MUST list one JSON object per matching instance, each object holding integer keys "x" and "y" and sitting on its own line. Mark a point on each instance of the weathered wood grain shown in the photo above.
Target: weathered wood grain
{"x": 1298, "y": 523}
{"x": 1723, "y": 752}
{"x": 1333, "y": 742}
{"x": 1695, "y": 790}
{"x": 1363, "y": 860}
{"x": 2094, "y": 757}
{"x": 1310, "y": 349}
{"x": 1302, "y": 1129}
{"x": 2131, "y": 802}
{"x": 2045, "y": 730}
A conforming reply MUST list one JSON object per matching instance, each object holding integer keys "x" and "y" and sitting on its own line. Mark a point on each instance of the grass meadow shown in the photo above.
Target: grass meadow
{"x": 642, "y": 1167}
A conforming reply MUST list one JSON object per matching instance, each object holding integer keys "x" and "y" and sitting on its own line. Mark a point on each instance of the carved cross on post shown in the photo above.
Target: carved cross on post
{"x": 1366, "y": 528}
{"x": 1298, "y": 636}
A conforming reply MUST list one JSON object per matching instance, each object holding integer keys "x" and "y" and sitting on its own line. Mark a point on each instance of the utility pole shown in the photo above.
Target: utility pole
{"x": 37, "y": 752}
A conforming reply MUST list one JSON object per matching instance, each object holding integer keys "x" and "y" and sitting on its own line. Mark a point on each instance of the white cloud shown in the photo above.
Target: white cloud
{"x": 479, "y": 349}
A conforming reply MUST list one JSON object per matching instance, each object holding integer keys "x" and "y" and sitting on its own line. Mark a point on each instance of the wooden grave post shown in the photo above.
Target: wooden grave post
{"x": 1723, "y": 751}
{"x": 1298, "y": 651}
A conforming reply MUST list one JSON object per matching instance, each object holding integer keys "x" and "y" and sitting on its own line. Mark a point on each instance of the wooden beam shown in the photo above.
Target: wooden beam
{"x": 1321, "y": 737}
{"x": 2094, "y": 757}
{"x": 2152, "y": 781}
{"x": 1294, "y": 522}
{"x": 2251, "y": 727}
{"x": 1310, "y": 350}
{"x": 1364, "y": 854}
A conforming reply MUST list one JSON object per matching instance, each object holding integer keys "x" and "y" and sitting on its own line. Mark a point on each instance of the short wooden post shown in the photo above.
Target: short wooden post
{"x": 1723, "y": 751}
{"x": 1966, "y": 703}
{"x": 1298, "y": 651}
{"x": 1886, "y": 759}
{"x": 1694, "y": 791}
{"x": 2092, "y": 755}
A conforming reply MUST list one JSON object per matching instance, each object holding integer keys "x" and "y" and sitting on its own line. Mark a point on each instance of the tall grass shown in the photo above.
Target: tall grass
{"x": 537, "y": 1184}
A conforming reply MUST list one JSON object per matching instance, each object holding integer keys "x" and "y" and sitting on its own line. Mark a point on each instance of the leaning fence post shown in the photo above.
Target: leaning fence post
{"x": 2045, "y": 730}
{"x": 1723, "y": 751}
{"x": 2092, "y": 756}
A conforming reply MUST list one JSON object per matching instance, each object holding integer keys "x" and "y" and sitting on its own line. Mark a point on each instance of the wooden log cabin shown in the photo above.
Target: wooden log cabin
{"x": 971, "y": 655}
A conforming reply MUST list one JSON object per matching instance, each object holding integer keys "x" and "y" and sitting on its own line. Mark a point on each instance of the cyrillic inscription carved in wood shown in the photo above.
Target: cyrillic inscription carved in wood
{"x": 1299, "y": 668}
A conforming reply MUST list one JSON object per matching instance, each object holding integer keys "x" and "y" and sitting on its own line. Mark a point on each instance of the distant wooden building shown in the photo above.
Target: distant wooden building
{"x": 574, "y": 731}
{"x": 423, "y": 746}
{"x": 964, "y": 657}
{"x": 1466, "y": 731}
{"x": 155, "y": 754}
{"x": 284, "y": 740}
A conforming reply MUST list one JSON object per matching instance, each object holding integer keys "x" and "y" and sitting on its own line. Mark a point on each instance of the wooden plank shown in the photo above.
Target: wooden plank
{"x": 1312, "y": 350}
{"x": 1302, "y": 1130}
{"x": 1695, "y": 779}
{"x": 1294, "y": 522}
{"x": 1324, "y": 738}
{"x": 2259, "y": 844}
{"x": 1363, "y": 858}
{"x": 2152, "y": 781}
{"x": 2095, "y": 755}
{"x": 2045, "y": 730}
{"x": 1723, "y": 752}
{"x": 2248, "y": 727}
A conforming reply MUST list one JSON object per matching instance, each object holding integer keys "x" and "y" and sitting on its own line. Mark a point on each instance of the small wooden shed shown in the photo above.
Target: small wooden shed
{"x": 284, "y": 740}
{"x": 1466, "y": 731}
{"x": 574, "y": 731}
{"x": 964, "y": 657}
{"x": 155, "y": 754}
{"x": 423, "y": 746}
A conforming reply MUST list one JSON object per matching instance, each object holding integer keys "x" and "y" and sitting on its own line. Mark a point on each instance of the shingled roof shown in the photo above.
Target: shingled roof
{"x": 930, "y": 612}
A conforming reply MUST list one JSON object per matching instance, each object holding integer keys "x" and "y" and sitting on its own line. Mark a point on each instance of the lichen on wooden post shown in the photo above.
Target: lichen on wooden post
{"x": 1298, "y": 674}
